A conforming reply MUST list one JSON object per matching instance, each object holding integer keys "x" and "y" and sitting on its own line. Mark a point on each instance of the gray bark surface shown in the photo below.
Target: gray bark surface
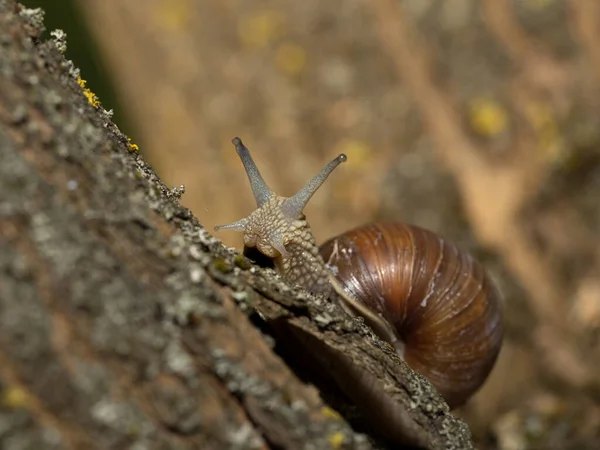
{"x": 125, "y": 324}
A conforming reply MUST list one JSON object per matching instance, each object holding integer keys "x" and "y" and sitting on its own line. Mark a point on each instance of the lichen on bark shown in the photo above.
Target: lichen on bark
{"x": 123, "y": 322}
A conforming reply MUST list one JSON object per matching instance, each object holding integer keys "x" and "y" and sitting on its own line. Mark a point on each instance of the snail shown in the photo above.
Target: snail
{"x": 433, "y": 302}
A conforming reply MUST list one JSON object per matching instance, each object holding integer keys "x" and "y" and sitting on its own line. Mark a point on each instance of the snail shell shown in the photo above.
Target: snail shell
{"x": 424, "y": 295}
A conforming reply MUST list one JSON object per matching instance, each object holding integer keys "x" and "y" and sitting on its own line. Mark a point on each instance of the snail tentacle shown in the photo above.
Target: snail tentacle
{"x": 278, "y": 228}
{"x": 294, "y": 206}
{"x": 261, "y": 191}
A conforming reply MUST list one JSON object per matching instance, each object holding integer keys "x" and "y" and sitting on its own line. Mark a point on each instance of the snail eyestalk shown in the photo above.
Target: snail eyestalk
{"x": 261, "y": 191}
{"x": 240, "y": 225}
{"x": 292, "y": 207}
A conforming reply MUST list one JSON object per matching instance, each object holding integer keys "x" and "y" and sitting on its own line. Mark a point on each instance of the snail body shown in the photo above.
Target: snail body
{"x": 431, "y": 301}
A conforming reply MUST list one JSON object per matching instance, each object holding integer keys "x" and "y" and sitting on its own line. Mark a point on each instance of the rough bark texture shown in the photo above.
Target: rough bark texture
{"x": 124, "y": 324}
{"x": 478, "y": 119}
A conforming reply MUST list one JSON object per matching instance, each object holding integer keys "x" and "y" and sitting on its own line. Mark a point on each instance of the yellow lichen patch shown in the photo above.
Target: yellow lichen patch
{"x": 336, "y": 440}
{"x": 242, "y": 262}
{"x": 173, "y": 14}
{"x": 14, "y": 397}
{"x": 550, "y": 142}
{"x": 133, "y": 147}
{"x": 358, "y": 152}
{"x": 222, "y": 266}
{"x": 290, "y": 58}
{"x": 330, "y": 413}
{"x": 487, "y": 117}
{"x": 261, "y": 28}
{"x": 94, "y": 101}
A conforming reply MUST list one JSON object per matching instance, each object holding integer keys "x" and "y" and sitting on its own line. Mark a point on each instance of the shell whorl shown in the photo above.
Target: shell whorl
{"x": 445, "y": 312}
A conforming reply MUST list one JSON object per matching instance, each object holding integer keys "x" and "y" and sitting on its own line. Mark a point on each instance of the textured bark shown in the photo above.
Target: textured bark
{"x": 478, "y": 119}
{"x": 124, "y": 324}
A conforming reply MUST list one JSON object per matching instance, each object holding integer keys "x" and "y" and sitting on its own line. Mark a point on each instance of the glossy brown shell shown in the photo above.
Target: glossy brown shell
{"x": 443, "y": 305}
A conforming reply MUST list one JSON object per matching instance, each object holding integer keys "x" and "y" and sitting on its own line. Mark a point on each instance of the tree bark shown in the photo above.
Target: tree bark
{"x": 124, "y": 324}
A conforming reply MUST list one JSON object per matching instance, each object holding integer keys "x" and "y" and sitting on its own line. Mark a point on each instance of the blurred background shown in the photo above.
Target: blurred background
{"x": 479, "y": 120}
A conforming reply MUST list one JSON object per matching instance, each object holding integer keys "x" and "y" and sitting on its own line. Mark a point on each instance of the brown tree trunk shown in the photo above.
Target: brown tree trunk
{"x": 124, "y": 324}
{"x": 477, "y": 119}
